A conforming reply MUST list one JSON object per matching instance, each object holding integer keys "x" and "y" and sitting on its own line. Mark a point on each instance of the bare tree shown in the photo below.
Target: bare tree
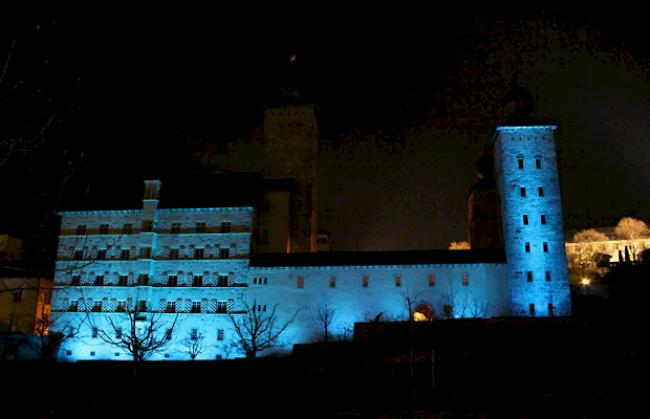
{"x": 324, "y": 317}
{"x": 631, "y": 230}
{"x": 194, "y": 343}
{"x": 50, "y": 330}
{"x": 257, "y": 330}
{"x": 136, "y": 331}
{"x": 581, "y": 254}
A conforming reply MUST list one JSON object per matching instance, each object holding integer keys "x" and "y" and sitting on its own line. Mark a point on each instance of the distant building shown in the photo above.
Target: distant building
{"x": 24, "y": 301}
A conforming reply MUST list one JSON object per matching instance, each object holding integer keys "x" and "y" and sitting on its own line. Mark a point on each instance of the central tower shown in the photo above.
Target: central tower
{"x": 290, "y": 150}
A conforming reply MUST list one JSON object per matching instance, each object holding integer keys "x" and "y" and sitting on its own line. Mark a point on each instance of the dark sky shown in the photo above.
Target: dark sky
{"x": 125, "y": 90}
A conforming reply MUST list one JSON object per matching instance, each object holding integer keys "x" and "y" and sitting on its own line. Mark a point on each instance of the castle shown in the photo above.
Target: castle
{"x": 196, "y": 270}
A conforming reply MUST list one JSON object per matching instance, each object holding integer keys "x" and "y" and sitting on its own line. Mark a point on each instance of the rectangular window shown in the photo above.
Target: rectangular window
{"x": 103, "y": 229}
{"x": 78, "y": 255}
{"x": 301, "y": 282}
{"x": 169, "y": 334}
{"x": 547, "y": 276}
{"x": 365, "y": 280}
{"x": 147, "y": 226}
{"x": 173, "y": 254}
{"x": 543, "y": 219}
{"x": 81, "y": 229}
{"x": 172, "y": 281}
{"x": 432, "y": 280}
{"x": 222, "y": 281}
{"x": 225, "y": 227}
{"x": 520, "y": 163}
{"x": 332, "y": 282}
{"x": 194, "y": 334}
{"x": 76, "y": 280}
{"x": 74, "y": 306}
{"x": 538, "y": 163}
{"x": 101, "y": 254}
{"x": 171, "y": 307}
{"x": 118, "y": 333}
{"x": 551, "y": 309}
{"x": 99, "y": 280}
{"x": 224, "y": 253}
{"x": 540, "y": 190}
{"x": 531, "y": 309}
{"x": 465, "y": 280}
{"x": 398, "y": 281}
{"x": 196, "y": 307}
{"x": 197, "y": 281}
{"x": 199, "y": 228}
{"x": 145, "y": 253}
{"x": 522, "y": 192}
{"x": 198, "y": 253}
{"x": 446, "y": 310}
{"x": 125, "y": 255}
{"x": 527, "y": 247}
{"x": 529, "y": 276}
{"x": 222, "y": 307}
{"x": 127, "y": 229}
{"x": 525, "y": 220}
{"x": 123, "y": 281}
{"x": 97, "y": 306}
{"x": 121, "y": 307}
{"x": 95, "y": 332}
{"x": 219, "y": 334}
{"x": 545, "y": 246}
{"x": 176, "y": 228}
{"x": 143, "y": 279}
{"x": 142, "y": 306}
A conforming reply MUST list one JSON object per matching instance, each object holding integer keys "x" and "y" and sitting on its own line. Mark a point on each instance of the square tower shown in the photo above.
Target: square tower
{"x": 531, "y": 210}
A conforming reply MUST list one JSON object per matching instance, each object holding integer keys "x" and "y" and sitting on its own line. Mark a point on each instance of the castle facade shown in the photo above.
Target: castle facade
{"x": 193, "y": 272}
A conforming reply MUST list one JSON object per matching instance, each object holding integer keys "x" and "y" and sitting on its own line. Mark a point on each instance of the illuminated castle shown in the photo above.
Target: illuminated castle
{"x": 194, "y": 266}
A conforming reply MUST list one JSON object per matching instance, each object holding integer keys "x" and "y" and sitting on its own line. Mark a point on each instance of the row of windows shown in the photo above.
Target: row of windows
{"x": 365, "y": 281}
{"x": 547, "y": 276}
{"x": 260, "y": 281}
{"x": 542, "y": 219}
{"x": 147, "y": 226}
{"x": 146, "y": 253}
{"x": 194, "y": 334}
{"x": 544, "y": 247}
{"x": 143, "y": 280}
{"x": 520, "y": 163}
{"x": 522, "y": 191}
{"x": 142, "y": 307}
{"x": 117, "y": 354}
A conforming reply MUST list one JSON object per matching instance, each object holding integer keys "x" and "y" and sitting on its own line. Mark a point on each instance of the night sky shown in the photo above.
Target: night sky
{"x": 125, "y": 94}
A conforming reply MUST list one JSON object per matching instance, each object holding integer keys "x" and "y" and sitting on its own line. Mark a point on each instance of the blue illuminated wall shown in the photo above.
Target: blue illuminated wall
{"x": 129, "y": 257}
{"x": 531, "y": 208}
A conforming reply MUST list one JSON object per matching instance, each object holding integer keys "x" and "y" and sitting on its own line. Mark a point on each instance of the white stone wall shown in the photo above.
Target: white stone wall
{"x": 484, "y": 295}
